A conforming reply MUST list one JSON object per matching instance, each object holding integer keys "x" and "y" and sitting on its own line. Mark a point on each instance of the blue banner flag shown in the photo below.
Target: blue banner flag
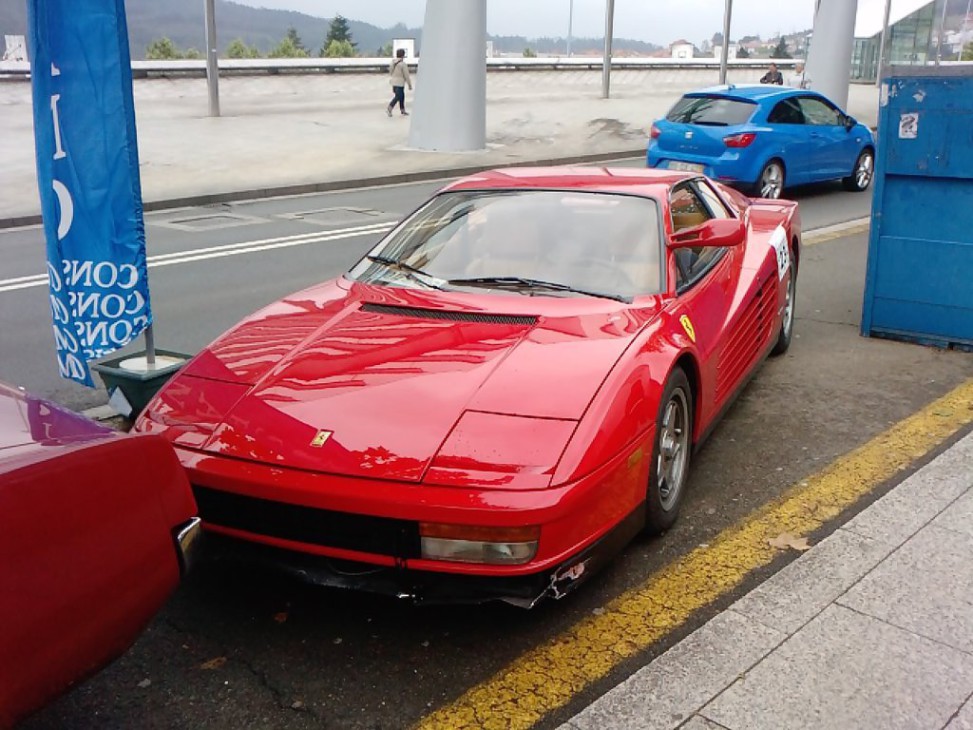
{"x": 88, "y": 175}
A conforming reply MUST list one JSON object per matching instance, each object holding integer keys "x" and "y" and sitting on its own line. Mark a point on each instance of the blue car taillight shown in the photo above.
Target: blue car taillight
{"x": 744, "y": 139}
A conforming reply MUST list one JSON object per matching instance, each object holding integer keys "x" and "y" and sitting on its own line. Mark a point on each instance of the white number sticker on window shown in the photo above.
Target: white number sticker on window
{"x": 778, "y": 242}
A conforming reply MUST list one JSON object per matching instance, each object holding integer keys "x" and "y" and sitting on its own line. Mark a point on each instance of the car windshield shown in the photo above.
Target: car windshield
{"x": 715, "y": 110}
{"x": 533, "y": 242}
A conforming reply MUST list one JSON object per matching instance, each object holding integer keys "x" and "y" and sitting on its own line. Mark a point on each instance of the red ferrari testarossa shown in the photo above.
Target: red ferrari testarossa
{"x": 501, "y": 394}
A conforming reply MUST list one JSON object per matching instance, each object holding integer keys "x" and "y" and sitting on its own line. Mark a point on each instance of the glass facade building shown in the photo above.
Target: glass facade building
{"x": 927, "y": 35}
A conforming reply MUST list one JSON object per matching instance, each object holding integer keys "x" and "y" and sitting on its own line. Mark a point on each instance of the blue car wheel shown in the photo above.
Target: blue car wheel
{"x": 861, "y": 176}
{"x": 770, "y": 182}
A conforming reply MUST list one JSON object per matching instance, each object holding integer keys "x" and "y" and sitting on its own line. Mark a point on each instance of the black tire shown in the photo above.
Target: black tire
{"x": 771, "y": 180}
{"x": 862, "y": 174}
{"x": 671, "y": 454}
{"x": 787, "y": 321}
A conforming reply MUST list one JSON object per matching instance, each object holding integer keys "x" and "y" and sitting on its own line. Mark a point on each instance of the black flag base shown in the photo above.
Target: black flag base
{"x": 132, "y": 381}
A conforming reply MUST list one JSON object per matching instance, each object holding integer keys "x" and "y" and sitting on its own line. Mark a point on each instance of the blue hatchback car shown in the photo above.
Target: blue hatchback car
{"x": 763, "y": 138}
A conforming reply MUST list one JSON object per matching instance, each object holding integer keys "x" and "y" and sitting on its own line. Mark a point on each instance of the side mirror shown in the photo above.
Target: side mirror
{"x": 718, "y": 232}
{"x": 850, "y": 122}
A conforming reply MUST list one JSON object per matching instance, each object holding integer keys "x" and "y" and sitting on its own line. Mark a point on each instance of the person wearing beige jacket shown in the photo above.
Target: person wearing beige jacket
{"x": 399, "y": 78}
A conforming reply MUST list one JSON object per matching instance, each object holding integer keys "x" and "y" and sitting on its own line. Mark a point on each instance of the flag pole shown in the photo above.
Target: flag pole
{"x": 149, "y": 348}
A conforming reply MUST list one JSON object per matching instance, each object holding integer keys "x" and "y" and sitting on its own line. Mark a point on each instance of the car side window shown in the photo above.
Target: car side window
{"x": 787, "y": 111}
{"x": 819, "y": 113}
{"x": 687, "y": 210}
{"x": 717, "y": 207}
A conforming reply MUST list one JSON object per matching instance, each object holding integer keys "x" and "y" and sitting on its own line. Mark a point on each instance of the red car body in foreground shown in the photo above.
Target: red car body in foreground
{"x": 500, "y": 395}
{"x": 95, "y": 529}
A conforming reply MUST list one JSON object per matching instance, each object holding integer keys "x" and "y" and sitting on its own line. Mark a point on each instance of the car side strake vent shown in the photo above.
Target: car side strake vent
{"x": 751, "y": 335}
{"x": 521, "y": 319}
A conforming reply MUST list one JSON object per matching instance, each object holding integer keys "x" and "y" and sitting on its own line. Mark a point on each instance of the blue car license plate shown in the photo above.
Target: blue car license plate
{"x": 687, "y": 166}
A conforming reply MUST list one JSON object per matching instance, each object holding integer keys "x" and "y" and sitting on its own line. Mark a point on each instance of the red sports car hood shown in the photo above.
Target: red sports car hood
{"x": 370, "y": 382}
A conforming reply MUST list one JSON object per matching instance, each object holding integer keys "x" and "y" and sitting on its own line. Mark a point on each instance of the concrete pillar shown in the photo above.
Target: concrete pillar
{"x": 212, "y": 53}
{"x": 449, "y": 113}
{"x": 829, "y": 60}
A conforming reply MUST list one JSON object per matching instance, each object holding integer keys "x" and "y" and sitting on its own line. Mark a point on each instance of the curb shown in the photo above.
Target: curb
{"x": 331, "y": 185}
{"x": 823, "y": 234}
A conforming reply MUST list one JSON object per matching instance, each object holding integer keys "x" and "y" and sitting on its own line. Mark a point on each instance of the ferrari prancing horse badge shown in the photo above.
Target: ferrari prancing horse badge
{"x": 688, "y": 326}
{"x": 320, "y": 438}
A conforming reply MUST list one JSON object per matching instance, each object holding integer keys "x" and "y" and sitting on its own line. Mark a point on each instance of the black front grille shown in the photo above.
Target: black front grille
{"x": 522, "y": 319}
{"x": 345, "y": 530}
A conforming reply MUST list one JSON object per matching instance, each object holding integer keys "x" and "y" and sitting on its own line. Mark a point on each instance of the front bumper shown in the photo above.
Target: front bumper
{"x": 323, "y": 520}
{"x": 425, "y": 587}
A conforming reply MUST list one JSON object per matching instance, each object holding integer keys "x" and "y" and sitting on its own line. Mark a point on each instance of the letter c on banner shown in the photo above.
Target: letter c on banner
{"x": 67, "y": 209}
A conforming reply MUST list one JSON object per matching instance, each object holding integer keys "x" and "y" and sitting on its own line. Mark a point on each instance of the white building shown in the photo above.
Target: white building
{"x": 682, "y": 49}
{"x": 409, "y": 44}
{"x": 731, "y": 51}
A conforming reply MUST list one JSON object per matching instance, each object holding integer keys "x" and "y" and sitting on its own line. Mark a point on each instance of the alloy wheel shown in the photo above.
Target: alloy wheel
{"x": 864, "y": 171}
{"x": 789, "y": 304}
{"x": 771, "y": 181}
{"x": 673, "y": 449}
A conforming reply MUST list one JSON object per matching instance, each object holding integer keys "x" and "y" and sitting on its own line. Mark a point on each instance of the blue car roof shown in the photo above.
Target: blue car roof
{"x": 750, "y": 92}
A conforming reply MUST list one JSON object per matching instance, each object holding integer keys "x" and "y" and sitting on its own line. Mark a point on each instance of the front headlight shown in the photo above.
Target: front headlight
{"x": 477, "y": 544}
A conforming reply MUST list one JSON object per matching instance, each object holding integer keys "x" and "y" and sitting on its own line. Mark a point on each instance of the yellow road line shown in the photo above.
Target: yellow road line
{"x": 547, "y": 677}
{"x": 830, "y": 233}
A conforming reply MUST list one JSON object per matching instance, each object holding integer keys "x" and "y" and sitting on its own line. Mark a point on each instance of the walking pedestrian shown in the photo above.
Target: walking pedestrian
{"x": 399, "y": 78}
{"x": 773, "y": 76}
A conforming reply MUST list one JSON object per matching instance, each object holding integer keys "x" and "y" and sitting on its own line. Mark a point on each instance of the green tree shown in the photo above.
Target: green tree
{"x": 192, "y": 53}
{"x": 780, "y": 50}
{"x": 162, "y": 49}
{"x": 239, "y": 49}
{"x": 967, "y": 54}
{"x": 385, "y": 50}
{"x": 294, "y": 38}
{"x": 338, "y": 31}
{"x": 530, "y": 53}
{"x": 339, "y": 49}
{"x": 287, "y": 49}
{"x": 742, "y": 52}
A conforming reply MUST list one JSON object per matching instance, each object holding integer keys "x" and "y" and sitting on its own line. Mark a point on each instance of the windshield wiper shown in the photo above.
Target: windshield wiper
{"x": 411, "y": 271}
{"x": 519, "y": 282}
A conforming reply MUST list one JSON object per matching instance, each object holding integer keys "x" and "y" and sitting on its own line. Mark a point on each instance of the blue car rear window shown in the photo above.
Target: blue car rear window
{"x": 716, "y": 110}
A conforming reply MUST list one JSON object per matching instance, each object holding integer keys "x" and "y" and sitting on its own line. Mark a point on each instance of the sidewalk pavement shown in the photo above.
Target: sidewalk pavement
{"x": 870, "y": 629}
{"x": 287, "y": 134}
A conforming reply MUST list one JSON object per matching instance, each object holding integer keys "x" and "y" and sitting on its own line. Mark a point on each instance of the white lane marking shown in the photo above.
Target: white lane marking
{"x": 232, "y": 249}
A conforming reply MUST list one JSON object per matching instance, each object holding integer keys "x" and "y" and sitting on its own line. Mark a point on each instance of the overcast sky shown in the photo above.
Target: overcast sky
{"x": 656, "y": 21}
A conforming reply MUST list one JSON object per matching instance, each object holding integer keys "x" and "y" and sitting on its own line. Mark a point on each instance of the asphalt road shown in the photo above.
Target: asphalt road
{"x": 238, "y": 647}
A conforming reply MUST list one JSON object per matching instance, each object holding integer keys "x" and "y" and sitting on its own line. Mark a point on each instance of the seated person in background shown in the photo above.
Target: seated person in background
{"x": 799, "y": 79}
{"x": 773, "y": 76}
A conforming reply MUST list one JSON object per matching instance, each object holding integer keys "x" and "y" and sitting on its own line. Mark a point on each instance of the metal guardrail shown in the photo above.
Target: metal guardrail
{"x": 257, "y": 66}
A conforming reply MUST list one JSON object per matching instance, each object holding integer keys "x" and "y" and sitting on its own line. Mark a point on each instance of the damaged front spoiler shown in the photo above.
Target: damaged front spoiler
{"x": 425, "y": 587}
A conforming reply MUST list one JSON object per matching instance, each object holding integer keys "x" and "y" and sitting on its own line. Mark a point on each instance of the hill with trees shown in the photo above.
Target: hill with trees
{"x": 264, "y": 31}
